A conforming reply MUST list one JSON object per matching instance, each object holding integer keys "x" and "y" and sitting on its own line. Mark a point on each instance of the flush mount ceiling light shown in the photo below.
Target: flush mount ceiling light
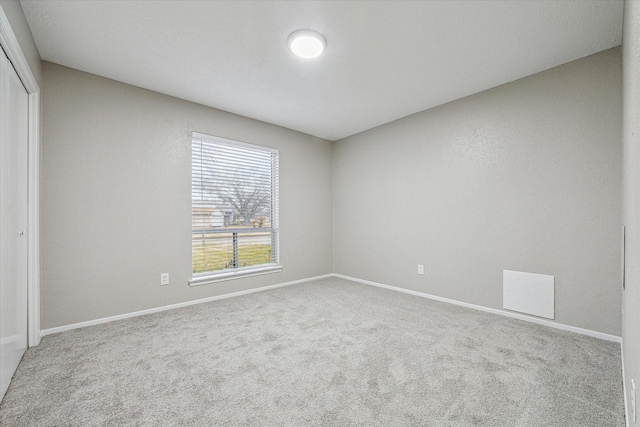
{"x": 306, "y": 43}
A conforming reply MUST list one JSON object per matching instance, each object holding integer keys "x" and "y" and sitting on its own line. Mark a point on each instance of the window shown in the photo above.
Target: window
{"x": 234, "y": 209}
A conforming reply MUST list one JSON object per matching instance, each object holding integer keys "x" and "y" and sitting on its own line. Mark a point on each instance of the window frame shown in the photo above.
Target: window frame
{"x": 215, "y": 276}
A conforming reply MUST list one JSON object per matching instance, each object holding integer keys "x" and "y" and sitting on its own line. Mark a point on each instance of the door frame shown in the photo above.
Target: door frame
{"x": 10, "y": 44}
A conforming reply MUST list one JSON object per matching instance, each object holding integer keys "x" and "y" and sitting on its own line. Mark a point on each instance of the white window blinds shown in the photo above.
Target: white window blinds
{"x": 234, "y": 206}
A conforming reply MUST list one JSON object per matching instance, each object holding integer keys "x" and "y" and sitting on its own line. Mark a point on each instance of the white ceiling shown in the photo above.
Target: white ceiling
{"x": 384, "y": 59}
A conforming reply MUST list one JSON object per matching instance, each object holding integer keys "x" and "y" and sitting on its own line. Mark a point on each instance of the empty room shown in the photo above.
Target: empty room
{"x": 319, "y": 213}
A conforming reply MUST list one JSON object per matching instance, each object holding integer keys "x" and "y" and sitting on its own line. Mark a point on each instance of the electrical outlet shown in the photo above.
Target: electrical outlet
{"x": 420, "y": 269}
{"x": 633, "y": 401}
{"x": 164, "y": 279}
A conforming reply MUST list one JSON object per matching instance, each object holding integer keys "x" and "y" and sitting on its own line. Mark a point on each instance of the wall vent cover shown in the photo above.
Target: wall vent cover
{"x": 528, "y": 293}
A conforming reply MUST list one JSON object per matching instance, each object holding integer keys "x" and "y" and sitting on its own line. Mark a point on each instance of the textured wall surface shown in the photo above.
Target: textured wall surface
{"x": 525, "y": 177}
{"x": 631, "y": 197}
{"x": 116, "y": 197}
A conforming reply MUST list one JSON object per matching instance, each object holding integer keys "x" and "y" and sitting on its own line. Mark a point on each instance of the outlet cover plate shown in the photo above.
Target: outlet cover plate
{"x": 164, "y": 279}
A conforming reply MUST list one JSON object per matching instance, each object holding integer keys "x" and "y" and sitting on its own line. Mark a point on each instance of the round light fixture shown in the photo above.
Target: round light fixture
{"x": 307, "y": 43}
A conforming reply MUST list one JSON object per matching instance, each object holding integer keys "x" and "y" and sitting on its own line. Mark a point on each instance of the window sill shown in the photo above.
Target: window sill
{"x": 230, "y": 275}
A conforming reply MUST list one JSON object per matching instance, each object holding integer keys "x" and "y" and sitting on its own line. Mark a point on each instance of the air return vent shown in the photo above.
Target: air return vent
{"x": 528, "y": 293}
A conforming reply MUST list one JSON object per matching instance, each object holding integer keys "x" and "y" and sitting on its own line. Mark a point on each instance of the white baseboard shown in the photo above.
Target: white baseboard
{"x": 556, "y": 325}
{"x": 173, "y": 306}
{"x": 588, "y": 332}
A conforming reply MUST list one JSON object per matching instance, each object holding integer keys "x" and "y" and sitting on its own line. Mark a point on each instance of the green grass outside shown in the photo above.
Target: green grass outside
{"x": 213, "y": 257}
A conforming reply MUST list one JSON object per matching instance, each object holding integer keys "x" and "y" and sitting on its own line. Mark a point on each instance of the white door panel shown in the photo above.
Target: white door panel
{"x": 13, "y": 221}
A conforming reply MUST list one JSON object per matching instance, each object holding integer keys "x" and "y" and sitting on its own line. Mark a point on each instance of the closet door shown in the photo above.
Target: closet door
{"x": 14, "y": 133}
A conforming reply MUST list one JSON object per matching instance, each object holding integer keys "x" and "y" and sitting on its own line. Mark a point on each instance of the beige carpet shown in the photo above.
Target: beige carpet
{"x": 325, "y": 353}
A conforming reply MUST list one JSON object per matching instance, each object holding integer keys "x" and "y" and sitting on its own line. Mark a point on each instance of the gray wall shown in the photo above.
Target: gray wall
{"x": 18, "y": 22}
{"x": 525, "y": 176}
{"x": 631, "y": 195}
{"x": 116, "y": 197}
